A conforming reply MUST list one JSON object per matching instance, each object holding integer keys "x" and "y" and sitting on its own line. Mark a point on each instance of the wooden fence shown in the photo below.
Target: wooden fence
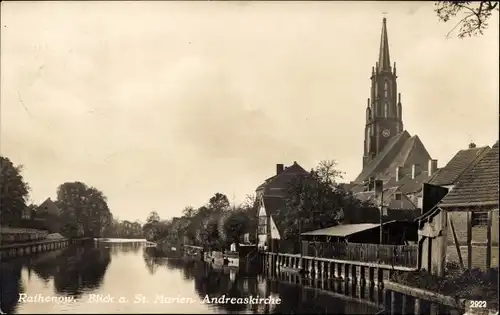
{"x": 19, "y": 235}
{"x": 396, "y": 255}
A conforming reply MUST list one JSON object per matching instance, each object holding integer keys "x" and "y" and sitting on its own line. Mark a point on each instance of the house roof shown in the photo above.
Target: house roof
{"x": 284, "y": 176}
{"x": 462, "y": 161}
{"x": 342, "y": 230}
{"x": 48, "y": 206}
{"x": 478, "y": 186}
{"x": 402, "y": 150}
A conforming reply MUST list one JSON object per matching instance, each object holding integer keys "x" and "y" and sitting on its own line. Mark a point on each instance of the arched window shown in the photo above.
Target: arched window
{"x": 386, "y": 110}
{"x": 386, "y": 89}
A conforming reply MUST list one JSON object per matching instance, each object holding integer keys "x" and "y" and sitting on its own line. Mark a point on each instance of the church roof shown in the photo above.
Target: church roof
{"x": 403, "y": 150}
{"x": 478, "y": 186}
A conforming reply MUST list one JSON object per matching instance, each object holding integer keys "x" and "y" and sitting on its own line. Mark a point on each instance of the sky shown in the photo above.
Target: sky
{"x": 162, "y": 104}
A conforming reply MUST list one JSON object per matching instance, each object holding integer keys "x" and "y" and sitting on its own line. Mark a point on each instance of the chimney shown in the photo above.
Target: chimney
{"x": 472, "y": 145}
{"x": 279, "y": 168}
{"x": 415, "y": 169}
{"x": 433, "y": 165}
{"x": 399, "y": 173}
{"x": 371, "y": 183}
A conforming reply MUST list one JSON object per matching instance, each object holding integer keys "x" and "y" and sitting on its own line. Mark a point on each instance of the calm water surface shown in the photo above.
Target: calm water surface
{"x": 127, "y": 277}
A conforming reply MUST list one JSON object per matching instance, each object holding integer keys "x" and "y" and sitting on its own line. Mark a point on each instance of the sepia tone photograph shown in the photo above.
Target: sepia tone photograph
{"x": 249, "y": 157}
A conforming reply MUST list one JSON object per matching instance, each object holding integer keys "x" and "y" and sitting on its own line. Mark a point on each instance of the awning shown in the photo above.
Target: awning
{"x": 342, "y": 230}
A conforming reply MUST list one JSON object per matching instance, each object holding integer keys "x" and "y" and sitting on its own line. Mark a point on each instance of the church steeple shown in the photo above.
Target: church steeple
{"x": 384, "y": 60}
{"x": 384, "y": 109}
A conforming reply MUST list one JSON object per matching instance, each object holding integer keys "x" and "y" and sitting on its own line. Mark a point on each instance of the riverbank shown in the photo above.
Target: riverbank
{"x": 468, "y": 285}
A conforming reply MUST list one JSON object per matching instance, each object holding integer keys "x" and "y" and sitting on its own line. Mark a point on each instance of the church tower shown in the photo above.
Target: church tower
{"x": 383, "y": 110}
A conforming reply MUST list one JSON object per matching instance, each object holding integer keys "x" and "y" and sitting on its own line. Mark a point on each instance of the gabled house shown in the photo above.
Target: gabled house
{"x": 271, "y": 196}
{"x": 48, "y": 208}
{"x": 49, "y": 213}
{"x": 268, "y": 224}
{"x": 472, "y": 210}
{"x": 276, "y": 186}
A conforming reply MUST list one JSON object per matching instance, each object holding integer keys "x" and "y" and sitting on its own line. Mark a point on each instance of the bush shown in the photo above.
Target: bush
{"x": 471, "y": 284}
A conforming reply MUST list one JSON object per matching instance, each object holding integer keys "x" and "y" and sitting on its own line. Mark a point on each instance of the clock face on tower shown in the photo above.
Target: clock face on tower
{"x": 386, "y": 133}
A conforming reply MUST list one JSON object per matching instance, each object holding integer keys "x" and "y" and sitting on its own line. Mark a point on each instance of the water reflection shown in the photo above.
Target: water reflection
{"x": 296, "y": 297}
{"x": 11, "y": 286}
{"x": 128, "y": 269}
{"x": 72, "y": 271}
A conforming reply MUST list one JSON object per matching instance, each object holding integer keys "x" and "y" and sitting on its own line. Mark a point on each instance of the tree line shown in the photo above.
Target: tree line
{"x": 84, "y": 210}
{"x": 312, "y": 201}
{"x": 217, "y": 224}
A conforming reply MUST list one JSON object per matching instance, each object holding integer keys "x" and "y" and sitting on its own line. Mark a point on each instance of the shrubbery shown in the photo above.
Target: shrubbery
{"x": 471, "y": 285}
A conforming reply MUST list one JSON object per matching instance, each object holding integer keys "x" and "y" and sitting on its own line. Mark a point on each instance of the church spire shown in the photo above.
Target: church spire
{"x": 384, "y": 61}
{"x": 384, "y": 114}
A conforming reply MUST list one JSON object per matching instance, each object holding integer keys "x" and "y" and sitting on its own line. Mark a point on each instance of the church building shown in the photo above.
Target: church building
{"x": 390, "y": 151}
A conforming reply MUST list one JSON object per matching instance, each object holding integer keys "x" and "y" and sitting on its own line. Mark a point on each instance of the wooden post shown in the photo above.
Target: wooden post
{"x": 417, "y": 307}
{"x": 404, "y": 302}
{"x": 385, "y": 298}
{"x": 455, "y": 240}
{"x": 393, "y": 302}
{"x": 444, "y": 244}
{"x": 488, "y": 240}
{"x": 381, "y": 241}
{"x": 362, "y": 273}
{"x": 469, "y": 240}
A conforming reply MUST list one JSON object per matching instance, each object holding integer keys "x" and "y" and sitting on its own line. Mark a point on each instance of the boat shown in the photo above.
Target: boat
{"x": 232, "y": 258}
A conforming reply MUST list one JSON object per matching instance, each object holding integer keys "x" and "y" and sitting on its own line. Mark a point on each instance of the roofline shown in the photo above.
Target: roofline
{"x": 375, "y": 225}
{"x": 469, "y": 204}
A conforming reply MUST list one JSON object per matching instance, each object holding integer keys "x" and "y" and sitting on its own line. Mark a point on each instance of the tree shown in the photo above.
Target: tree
{"x": 327, "y": 172}
{"x": 84, "y": 210}
{"x": 249, "y": 203}
{"x": 13, "y": 191}
{"x": 474, "y": 15}
{"x": 235, "y": 225}
{"x": 153, "y": 217}
{"x": 189, "y": 212}
{"x": 208, "y": 234}
{"x": 196, "y": 224}
{"x": 218, "y": 202}
{"x": 315, "y": 201}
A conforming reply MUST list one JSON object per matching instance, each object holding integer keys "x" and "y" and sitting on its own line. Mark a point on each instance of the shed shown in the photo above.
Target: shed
{"x": 394, "y": 232}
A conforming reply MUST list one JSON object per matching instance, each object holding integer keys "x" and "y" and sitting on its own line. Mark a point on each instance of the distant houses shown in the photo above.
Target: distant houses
{"x": 45, "y": 216}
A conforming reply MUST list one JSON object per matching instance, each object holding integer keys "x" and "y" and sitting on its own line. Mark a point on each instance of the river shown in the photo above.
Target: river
{"x": 127, "y": 277}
